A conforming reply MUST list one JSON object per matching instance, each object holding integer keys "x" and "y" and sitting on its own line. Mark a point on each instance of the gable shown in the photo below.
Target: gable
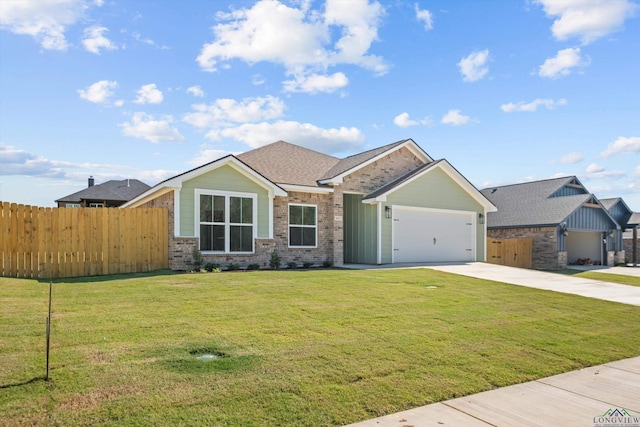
{"x": 572, "y": 188}
{"x": 435, "y": 189}
{"x": 436, "y": 185}
{"x": 222, "y": 179}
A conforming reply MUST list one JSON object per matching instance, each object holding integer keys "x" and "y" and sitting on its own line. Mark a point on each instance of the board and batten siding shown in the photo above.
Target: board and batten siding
{"x": 360, "y": 231}
{"x": 591, "y": 219}
{"x": 435, "y": 190}
{"x": 224, "y": 178}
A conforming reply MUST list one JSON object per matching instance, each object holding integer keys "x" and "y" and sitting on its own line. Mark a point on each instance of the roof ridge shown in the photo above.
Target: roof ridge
{"x": 529, "y": 182}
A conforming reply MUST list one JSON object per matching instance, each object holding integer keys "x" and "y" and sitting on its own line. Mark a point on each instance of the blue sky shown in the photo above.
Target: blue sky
{"x": 507, "y": 91}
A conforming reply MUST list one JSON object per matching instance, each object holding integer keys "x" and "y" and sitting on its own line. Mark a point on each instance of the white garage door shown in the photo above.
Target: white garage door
{"x": 583, "y": 245}
{"x": 433, "y": 235}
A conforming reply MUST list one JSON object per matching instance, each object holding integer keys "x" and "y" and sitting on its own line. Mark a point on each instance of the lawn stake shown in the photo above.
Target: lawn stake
{"x": 46, "y": 378}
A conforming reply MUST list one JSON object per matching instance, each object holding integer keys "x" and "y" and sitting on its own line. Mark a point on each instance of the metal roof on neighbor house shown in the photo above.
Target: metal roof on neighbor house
{"x": 113, "y": 190}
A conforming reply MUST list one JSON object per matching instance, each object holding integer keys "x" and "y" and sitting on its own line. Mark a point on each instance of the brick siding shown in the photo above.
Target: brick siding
{"x": 544, "y": 242}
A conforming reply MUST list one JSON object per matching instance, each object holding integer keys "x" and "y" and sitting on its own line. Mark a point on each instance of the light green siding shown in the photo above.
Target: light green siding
{"x": 224, "y": 178}
{"x": 360, "y": 231}
{"x": 435, "y": 190}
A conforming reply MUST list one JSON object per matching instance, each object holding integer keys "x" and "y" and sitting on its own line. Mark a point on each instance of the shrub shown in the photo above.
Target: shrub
{"x": 327, "y": 264}
{"x": 197, "y": 260}
{"x": 307, "y": 264}
{"x": 233, "y": 267}
{"x": 275, "y": 260}
{"x": 292, "y": 264}
{"x": 253, "y": 267}
{"x": 210, "y": 266}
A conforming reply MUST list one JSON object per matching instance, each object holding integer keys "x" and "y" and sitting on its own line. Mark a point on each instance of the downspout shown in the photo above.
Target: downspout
{"x": 380, "y": 218}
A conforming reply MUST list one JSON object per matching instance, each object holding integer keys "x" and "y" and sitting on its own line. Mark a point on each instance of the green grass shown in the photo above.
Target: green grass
{"x": 314, "y": 348}
{"x": 604, "y": 277}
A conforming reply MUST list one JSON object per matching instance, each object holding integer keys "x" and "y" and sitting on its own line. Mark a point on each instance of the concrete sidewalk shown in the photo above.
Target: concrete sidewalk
{"x": 579, "y": 398}
{"x": 544, "y": 280}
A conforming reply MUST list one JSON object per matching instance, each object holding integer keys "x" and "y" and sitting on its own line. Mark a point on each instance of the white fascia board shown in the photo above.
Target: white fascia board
{"x": 304, "y": 189}
{"x": 409, "y": 144}
{"x": 453, "y": 174}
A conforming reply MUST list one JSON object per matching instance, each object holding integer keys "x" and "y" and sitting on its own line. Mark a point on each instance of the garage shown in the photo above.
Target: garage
{"x": 433, "y": 235}
{"x": 584, "y": 245}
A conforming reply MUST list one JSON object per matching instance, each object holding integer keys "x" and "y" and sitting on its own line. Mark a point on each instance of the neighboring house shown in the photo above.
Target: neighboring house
{"x": 110, "y": 194}
{"x": 567, "y": 224}
{"x": 387, "y": 205}
{"x": 629, "y": 222}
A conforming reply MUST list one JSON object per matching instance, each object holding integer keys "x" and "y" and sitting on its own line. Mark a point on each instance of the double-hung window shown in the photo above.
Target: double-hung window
{"x": 303, "y": 226}
{"x": 226, "y": 221}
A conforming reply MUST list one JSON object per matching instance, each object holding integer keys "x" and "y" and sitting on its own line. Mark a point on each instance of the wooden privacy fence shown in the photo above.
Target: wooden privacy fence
{"x": 511, "y": 252}
{"x": 71, "y": 242}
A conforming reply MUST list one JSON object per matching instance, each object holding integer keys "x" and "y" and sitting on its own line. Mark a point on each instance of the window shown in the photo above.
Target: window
{"x": 226, "y": 221}
{"x": 96, "y": 205}
{"x": 72, "y": 205}
{"x": 302, "y": 226}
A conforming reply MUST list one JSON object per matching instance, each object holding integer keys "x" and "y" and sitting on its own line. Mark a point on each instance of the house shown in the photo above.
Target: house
{"x": 387, "y": 205}
{"x": 109, "y": 194}
{"x": 566, "y": 223}
{"x": 629, "y": 222}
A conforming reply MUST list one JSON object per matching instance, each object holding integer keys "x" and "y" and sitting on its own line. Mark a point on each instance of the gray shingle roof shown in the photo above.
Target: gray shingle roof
{"x": 285, "y": 163}
{"x": 113, "y": 190}
{"x": 529, "y": 204}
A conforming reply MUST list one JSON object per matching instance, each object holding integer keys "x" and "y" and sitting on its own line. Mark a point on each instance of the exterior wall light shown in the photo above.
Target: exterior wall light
{"x": 481, "y": 218}
{"x": 387, "y": 212}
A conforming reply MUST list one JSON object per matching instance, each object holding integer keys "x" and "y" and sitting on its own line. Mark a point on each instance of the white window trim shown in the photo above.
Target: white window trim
{"x": 227, "y": 195}
{"x": 303, "y": 226}
{"x": 96, "y": 205}
{"x": 72, "y": 205}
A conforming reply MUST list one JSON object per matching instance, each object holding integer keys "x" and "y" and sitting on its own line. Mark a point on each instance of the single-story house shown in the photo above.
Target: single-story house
{"x": 566, "y": 223}
{"x": 391, "y": 204}
{"x": 110, "y": 194}
{"x": 629, "y": 222}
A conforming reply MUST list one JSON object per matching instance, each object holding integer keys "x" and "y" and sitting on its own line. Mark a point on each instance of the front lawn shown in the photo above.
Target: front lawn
{"x": 308, "y": 348}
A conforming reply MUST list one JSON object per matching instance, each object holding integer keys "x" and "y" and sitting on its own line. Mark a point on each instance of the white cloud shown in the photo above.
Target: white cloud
{"x": 549, "y": 104}
{"x": 263, "y": 33}
{"x": 196, "y": 91}
{"x": 15, "y": 161}
{"x": 207, "y": 155}
{"x": 570, "y": 158}
{"x": 45, "y": 21}
{"x": 94, "y": 40}
{"x": 587, "y": 19}
{"x": 224, "y": 112}
{"x": 562, "y": 64}
{"x": 595, "y": 171}
{"x": 454, "y": 117}
{"x": 315, "y": 83}
{"x": 629, "y": 145}
{"x": 474, "y": 67}
{"x": 99, "y": 92}
{"x": 402, "y": 120}
{"x": 149, "y": 94}
{"x": 255, "y": 135}
{"x": 257, "y": 80}
{"x": 145, "y": 126}
{"x": 424, "y": 16}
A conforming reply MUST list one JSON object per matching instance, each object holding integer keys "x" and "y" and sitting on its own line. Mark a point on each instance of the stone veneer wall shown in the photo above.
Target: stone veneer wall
{"x": 544, "y": 241}
{"x": 628, "y": 249}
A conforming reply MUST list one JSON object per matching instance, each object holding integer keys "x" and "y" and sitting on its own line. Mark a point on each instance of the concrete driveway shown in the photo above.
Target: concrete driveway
{"x": 537, "y": 279}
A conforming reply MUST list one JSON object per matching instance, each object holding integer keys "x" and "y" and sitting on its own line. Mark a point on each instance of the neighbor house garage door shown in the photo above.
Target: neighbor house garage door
{"x": 433, "y": 235}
